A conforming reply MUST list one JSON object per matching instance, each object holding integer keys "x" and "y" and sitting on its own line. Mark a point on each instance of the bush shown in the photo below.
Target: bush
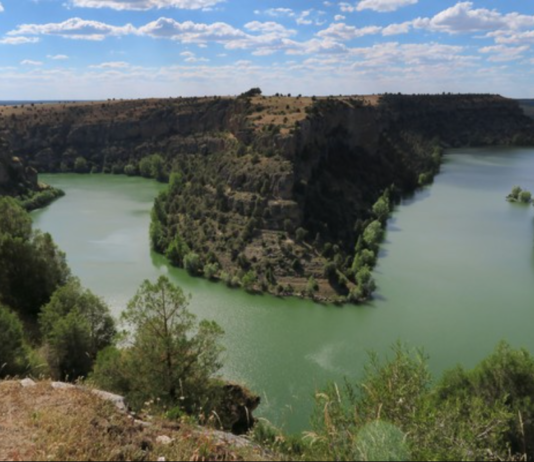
{"x": 81, "y": 165}
{"x": 382, "y": 209}
{"x": 312, "y": 287}
{"x": 364, "y": 258}
{"x": 373, "y": 235}
{"x": 525, "y": 197}
{"x": 13, "y": 359}
{"x": 75, "y": 326}
{"x": 301, "y": 234}
{"x": 130, "y": 170}
{"x": 193, "y": 264}
{"x": 485, "y": 414}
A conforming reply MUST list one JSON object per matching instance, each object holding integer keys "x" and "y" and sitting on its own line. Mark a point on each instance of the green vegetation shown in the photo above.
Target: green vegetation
{"x": 520, "y": 196}
{"x": 172, "y": 358}
{"x": 398, "y": 413}
{"x": 13, "y": 354}
{"x": 75, "y": 325}
{"x": 37, "y": 200}
{"x": 31, "y": 266}
{"x": 153, "y": 167}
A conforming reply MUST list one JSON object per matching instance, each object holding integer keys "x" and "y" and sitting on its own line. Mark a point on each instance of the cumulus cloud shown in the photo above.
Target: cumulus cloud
{"x": 29, "y": 62}
{"x": 463, "y": 18}
{"x": 111, "y": 65}
{"x": 1, "y": 8}
{"x": 503, "y": 53}
{"x": 344, "y": 32}
{"x": 143, "y": 5}
{"x": 75, "y": 28}
{"x": 58, "y": 57}
{"x": 18, "y": 40}
{"x": 380, "y": 6}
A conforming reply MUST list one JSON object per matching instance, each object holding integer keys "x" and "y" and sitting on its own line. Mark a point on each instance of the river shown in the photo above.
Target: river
{"x": 455, "y": 276}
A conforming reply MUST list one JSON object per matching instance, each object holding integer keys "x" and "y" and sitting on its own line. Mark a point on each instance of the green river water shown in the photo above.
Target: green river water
{"x": 455, "y": 276}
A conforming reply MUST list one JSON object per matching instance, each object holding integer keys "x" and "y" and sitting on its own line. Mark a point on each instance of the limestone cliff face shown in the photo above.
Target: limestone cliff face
{"x": 255, "y": 170}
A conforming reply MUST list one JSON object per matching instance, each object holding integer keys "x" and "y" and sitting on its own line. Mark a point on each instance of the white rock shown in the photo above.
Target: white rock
{"x": 162, "y": 459}
{"x": 27, "y": 383}
{"x": 62, "y": 386}
{"x": 118, "y": 401}
{"x": 165, "y": 440}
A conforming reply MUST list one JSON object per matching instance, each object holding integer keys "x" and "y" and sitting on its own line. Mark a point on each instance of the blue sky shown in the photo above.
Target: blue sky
{"x": 97, "y": 49}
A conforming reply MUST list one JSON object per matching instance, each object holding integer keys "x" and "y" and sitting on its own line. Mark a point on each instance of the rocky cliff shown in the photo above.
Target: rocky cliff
{"x": 267, "y": 193}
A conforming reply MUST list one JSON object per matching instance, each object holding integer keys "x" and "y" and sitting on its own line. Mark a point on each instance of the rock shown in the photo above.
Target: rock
{"x": 164, "y": 440}
{"x": 27, "y": 383}
{"x": 162, "y": 459}
{"x": 62, "y": 386}
{"x": 140, "y": 423}
{"x": 116, "y": 400}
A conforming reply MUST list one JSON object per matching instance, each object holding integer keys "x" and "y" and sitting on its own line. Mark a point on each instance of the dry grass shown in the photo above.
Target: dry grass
{"x": 43, "y": 424}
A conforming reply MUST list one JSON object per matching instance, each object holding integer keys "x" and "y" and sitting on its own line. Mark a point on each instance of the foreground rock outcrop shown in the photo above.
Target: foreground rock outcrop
{"x": 53, "y": 421}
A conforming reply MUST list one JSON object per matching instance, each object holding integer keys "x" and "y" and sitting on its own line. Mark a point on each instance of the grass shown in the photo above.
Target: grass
{"x": 43, "y": 424}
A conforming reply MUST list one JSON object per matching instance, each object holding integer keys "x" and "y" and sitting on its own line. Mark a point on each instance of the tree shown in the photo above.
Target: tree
{"x": 249, "y": 280}
{"x": 177, "y": 251}
{"x": 145, "y": 167}
{"x": 312, "y": 287}
{"x": 193, "y": 264}
{"x": 373, "y": 234}
{"x": 525, "y": 197}
{"x": 365, "y": 257}
{"x": 516, "y": 192}
{"x": 365, "y": 285}
{"x": 30, "y": 271}
{"x": 75, "y": 325}
{"x": 130, "y": 170}
{"x": 81, "y": 165}
{"x": 12, "y": 347}
{"x": 382, "y": 209}
{"x": 172, "y": 358}
{"x": 14, "y": 220}
{"x": 301, "y": 234}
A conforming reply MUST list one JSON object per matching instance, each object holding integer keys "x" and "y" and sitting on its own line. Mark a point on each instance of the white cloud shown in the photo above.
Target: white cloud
{"x": 502, "y": 53}
{"x": 74, "y": 28}
{"x": 18, "y": 40}
{"x": 1, "y": 8}
{"x": 190, "y": 32}
{"x": 190, "y": 57}
{"x": 269, "y": 27}
{"x": 397, "y": 29}
{"x": 344, "y": 32}
{"x": 58, "y": 57}
{"x": 380, "y": 6}
{"x": 29, "y": 62}
{"x": 143, "y": 5}
{"x": 111, "y": 65}
{"x": 463, "y": 18}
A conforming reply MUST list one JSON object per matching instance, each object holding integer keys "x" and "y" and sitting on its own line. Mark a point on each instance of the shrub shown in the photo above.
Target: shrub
{"x": 81, "y": 165}
{"x": 130, "y": 170}
{"x": 525, "y": 197}
{"x": 12, "y": 348}
{"x": 193, "y": 263}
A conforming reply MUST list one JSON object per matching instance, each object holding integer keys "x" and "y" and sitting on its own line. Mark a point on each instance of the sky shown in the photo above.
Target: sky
{"x": 99, "y": 49}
